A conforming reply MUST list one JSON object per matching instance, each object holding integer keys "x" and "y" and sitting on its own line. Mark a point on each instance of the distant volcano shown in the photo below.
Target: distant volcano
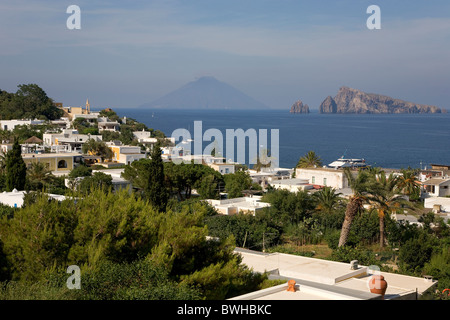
{"x": 206, "y": 93}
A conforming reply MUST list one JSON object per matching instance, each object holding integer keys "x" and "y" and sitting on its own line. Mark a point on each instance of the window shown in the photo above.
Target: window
{"x": 62, "y": 164}
{"x": 313, "y": 180}
{"x": 324, "y": 181}
{"x": 227, "y": 170}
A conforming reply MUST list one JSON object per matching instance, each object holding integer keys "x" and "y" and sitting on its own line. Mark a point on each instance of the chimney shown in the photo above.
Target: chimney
{"x": 354, "y": 264}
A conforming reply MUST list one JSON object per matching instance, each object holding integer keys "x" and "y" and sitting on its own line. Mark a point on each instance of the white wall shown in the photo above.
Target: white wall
{"x": 442, "y": 201}
{"x": 323, "y": 177}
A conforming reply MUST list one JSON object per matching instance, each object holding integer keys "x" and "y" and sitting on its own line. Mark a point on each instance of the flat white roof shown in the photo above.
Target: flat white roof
{"x": 291, "y": 182}
{"x": 15, "y": 198}
{"x": 323, "y": 279}
{"x": 51, "y": 155}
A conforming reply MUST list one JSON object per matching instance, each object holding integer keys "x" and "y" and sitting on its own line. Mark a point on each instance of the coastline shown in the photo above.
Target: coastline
{"x": 386, "y": 140}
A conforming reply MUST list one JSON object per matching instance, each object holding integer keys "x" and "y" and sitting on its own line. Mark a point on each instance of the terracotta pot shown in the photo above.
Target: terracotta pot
{"x": 378, "y": 285}
{"x": 291, "y": 286}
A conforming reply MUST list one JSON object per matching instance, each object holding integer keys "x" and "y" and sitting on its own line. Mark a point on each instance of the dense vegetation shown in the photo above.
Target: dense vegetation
{"x": 115, "y": 235}
{"x": 312, "y": 224}
{"x": 160, "y": 241}
{"x": 29, "y": 102}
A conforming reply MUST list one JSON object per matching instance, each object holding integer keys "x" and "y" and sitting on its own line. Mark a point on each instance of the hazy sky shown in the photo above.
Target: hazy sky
{"x": 277, "y": 51}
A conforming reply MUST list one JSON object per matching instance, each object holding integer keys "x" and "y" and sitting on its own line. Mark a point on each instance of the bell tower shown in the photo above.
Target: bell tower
{"x": 88, "y": 107}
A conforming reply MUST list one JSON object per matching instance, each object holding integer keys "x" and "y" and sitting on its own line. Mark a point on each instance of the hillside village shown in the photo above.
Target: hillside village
{"x": 61, "y": 150}
{"x": 108, "y": 144}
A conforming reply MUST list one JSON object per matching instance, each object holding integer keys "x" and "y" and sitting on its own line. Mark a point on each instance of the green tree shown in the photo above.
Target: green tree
{"x": 156, "y": 191}
{"x": 125, "y": 248}
{"x": 38, "y": 237}
{"x": 208, "y": 188}
{"x": 97, "y": 148}
{"x": 39, "y": 176}
{"x": 182, "y": 178}
{"x": 311, "y": 159}
{"x": 110, "y": 114}
{"x": 236, "y": 183}
{"x": 80, "y": 171}
{"x": 118, "y": 227}
{"x": 29, "y": 102}
{"x": 83, "y": 126}
{"x": 99, "y": 180}
{"x": 288, "y": 207}
{"x": 416, "y": 252}
{"x": 359, "y": 186}
{"x": 439, "y": 267}
{"x": 408, "y": 183}
{"x": 16, "y": 169}
{"x": 138, "y": 174}
{"x": 136, "y": 280}
{"x": 328, "y": 200}
{"x": 385, "y": 199}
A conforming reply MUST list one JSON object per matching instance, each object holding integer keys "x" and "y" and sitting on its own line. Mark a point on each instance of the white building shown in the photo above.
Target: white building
{"x": 292, "y": 185}
{"x": 89, "y": 117}
{"x": 69, "y": 140}
{"x": 334, "y": 178}
{"x": 319, "y": 279}
{"x": 145, "y": 138}
{"x": 11, "y": 124}
{"x": 248, "y": 205}
{"x": 125, "y": 154}
{"x": 62, "y": 123}
{"x": 169, "y": 153}
{"x": 436, "y": 187}
{"x": 14, "y": 198}
{"x": 438, "y": 204}
{"x": 117, "y": 181}
{"x": 266, "y": 175}
{"x": 104, "y": 124}
{"x": 223, "y": 168}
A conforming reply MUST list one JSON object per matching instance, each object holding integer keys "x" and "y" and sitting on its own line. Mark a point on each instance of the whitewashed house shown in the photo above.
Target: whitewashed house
{"x": 11, "y": 124}
{"x": 436, "y": 187}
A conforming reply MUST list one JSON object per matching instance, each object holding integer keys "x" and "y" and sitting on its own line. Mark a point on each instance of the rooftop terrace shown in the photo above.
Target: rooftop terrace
{"x": 320, "y": 279}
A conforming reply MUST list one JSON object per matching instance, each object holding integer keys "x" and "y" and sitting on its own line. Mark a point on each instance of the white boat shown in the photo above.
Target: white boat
{"x": 348, "y": 163}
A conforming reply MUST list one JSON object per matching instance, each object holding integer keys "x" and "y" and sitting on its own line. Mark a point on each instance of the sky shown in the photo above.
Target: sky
{"x": 128, "y": 53}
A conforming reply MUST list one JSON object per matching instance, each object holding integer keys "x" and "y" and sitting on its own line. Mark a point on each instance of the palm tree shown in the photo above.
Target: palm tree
{"x": 360, "y": 186}
{"x": 311, "y": 159}
{"x": 39, "y": 175}
{"x": 385, "y": 198}
{"x": 408, "y": 183}
{"x": 327, "y": 200}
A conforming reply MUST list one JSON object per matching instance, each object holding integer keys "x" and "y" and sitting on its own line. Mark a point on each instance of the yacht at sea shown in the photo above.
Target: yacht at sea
{"x": 348, "y": 163}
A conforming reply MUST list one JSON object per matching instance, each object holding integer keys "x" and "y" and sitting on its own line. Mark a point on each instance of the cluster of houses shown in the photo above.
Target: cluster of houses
{"x": 61, "y": 151}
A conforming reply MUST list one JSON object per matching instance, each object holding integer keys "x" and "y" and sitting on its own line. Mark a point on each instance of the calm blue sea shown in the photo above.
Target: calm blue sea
{"x": 388, "y": 140}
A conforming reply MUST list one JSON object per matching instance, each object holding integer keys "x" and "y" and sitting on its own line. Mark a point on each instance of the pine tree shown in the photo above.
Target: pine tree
{"x": 156, "y": 191}
{"x": 16, "y": 170}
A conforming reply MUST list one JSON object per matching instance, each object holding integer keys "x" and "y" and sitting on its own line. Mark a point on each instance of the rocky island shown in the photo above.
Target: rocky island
{"x": 350, "y": 100}
{"x": 299, "y": 107}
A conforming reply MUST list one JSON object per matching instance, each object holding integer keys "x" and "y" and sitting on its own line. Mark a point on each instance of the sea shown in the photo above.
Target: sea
{"x": 383, "y": 140}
